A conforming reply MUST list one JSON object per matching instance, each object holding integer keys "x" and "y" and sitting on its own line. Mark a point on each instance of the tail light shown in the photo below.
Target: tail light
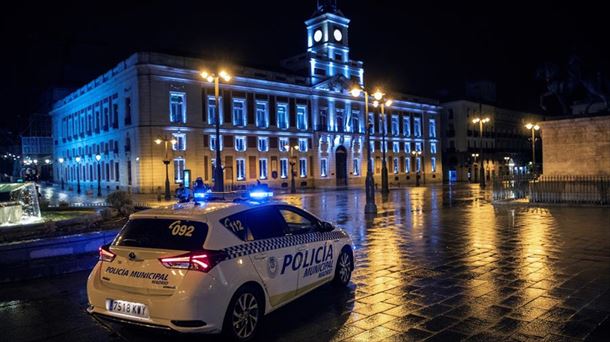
{"x": 106, "y": 254}
{"x": 202, "y": 261}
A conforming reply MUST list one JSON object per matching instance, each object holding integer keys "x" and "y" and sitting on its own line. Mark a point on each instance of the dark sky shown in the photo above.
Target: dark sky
{"x": 417, "y": 47}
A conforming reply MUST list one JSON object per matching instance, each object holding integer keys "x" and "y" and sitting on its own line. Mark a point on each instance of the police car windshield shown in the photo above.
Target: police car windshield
{"x": 163, "y": 234}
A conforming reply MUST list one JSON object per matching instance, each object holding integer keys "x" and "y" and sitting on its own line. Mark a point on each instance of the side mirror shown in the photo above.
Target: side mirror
{"x": 326, "y": 226}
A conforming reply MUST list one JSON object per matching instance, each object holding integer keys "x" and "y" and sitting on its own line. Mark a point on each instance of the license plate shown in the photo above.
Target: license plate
{"x": 127, "y": 308}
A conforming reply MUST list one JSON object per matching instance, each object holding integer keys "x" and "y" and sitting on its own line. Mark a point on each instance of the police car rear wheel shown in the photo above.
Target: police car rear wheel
{"x": 343, "y": 272}
{"x": 244, "y": 314}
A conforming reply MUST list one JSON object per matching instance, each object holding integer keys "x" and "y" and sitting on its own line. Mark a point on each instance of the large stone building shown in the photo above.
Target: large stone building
{"x": 506, "y": 142}
{"x": 576, "y": 146}
{"x": 120, "y": 114}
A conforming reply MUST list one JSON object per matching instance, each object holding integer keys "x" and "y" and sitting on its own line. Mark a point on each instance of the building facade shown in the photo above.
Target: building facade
{"x": 270, "y": 122}
{"x": 505, "y": 142}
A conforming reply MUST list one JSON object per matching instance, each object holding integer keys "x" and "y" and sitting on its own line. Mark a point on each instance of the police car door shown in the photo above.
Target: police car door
{"x": 314, "y": 255}
{"x": 269, "y": 251}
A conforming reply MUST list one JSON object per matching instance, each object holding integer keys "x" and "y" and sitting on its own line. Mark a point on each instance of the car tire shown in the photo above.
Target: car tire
{"x": 343, "y": 271}
{"x": 244, "y": 314}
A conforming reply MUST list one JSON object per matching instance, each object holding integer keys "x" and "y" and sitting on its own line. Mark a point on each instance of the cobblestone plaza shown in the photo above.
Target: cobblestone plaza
{"x": 436, "y": 263}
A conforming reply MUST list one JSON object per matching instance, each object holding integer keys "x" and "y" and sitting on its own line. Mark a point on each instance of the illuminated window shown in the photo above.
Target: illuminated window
{"x": 240, "y": 144}
{"x": 432, "y": 128}
{"x": 177, "y": 108}
{"x": 262, "y": 115}
{"x": 395, "y": 146}
{"x": 262, "y": 168}
{"x": 408, "y": 147}
{"x": 283, "y": 168}
{"x": 433, "y": 163}
{"x": 339, "y": 120}
{"x": 395, "y": 129}
{"x": 433, "y": 147}
{"x": 418, "y": 164}
{"x": 213, "y": 142}
{"x": 239, "y": 112}
{"x": 263, "y": 144}
{"x": 240, "y": 168}
{"x": 178, "y": 170}
{"x": 371, "y": 123}
{"x": 417, "y": 127}
{"x": 356, "y": 121}
{"x": 408, "y": 165}
{"x": 301, "y": 117}
{"x": 396, "y": 165}
{"x": 180, "y": 144}
{"x": 212, "y": 110}
{"x": 323, "y": 167}
{"x": 282, "y": 116}
{"x": 303, "y": 145}
{"x": 283, "y": 145}
{"x": 323, "y": 125}
{"x": 356, "y": 167}
{"x": 303, "y": 167}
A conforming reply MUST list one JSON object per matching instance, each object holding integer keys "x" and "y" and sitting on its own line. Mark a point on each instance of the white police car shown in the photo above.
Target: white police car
{"x": 215, "y": 266}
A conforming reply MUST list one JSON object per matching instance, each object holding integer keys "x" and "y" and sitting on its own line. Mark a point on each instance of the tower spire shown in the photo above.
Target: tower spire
{"x": 327, "y": 6}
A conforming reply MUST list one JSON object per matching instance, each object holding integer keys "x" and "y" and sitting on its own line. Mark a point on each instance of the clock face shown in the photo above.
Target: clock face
{"x": 338, "y": 35}
{"x": 317, "y": 36}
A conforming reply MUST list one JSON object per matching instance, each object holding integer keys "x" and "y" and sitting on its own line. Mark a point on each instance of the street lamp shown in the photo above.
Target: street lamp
{"x": 380, "y": 101}
{"x": 506, "y": 159}
{"x": 533, "y": 127}
{"x": 481, "y": 121}
{"x": 77, "y": 159}
{"x": 210, "y": 77}
{"x": 61, "y": 171}
{"x": 417, "y": 154}
{"x": 370, "y": 207}
{"x": 293, "y": 161}
{"x": 98, "y": 157}
{"x": 166, "y": 140}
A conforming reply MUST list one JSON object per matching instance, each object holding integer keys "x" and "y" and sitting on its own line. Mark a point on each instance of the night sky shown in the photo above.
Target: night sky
{"x": 423, "y": 48}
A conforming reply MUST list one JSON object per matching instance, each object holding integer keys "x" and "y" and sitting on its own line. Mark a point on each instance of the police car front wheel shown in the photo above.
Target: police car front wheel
{"x": 343, "y": 272}
{"x": 244, "y": 314}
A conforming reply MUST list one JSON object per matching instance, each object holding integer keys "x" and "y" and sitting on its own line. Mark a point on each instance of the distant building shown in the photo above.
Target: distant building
{"x": 506, "y": 144}
{"x": 262, "y": 113}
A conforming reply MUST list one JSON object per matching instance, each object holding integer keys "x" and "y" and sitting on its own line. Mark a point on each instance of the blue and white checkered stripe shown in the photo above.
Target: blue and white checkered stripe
{"x": 259, "y": 246}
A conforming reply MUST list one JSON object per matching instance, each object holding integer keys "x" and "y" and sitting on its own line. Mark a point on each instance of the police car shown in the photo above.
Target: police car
{"x": 216, "y": 266}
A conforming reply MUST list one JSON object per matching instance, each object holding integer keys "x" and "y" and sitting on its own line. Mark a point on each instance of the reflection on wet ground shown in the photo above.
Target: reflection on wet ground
{"x": 440, "y": 264}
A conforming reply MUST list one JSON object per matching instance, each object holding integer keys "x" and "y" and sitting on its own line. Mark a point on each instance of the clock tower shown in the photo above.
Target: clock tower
{"x": 327, "y": 57}
{"x": 327, "y": 45}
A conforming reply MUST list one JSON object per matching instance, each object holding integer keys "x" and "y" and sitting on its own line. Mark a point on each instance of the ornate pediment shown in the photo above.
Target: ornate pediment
{"x": 337, "y": 83}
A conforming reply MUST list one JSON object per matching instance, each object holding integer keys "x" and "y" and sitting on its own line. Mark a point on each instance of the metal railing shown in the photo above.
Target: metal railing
{"x": 570, "y": 189}
{"x": 553, "y": 189}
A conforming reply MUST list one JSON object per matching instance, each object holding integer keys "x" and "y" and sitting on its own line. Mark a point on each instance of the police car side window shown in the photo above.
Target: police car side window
{"x": 255, "y": 224}
{"x": 297, "y": 222}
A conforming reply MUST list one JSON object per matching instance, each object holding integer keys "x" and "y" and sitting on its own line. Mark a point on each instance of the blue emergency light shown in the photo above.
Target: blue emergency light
{"x": 200, "y": 195}
{"x": 260, "y": 192}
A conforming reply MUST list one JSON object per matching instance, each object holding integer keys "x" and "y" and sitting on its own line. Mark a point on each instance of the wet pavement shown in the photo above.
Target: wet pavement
{"x": 437, "y": 263}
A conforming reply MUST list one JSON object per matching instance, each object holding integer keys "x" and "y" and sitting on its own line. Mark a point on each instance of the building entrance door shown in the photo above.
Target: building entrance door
{"x": 341, "y": 166}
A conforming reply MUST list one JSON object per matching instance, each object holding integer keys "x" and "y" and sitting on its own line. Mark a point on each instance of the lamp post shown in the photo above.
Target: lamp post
{"x": 370, "y": 206}
{"x": 166, "y": 140}
{"x": 481, "y": 121}
{"x": 417, "y": 154}
{"x": 506, "y": 159}
{"x": 533, "y": 127}
{"x": 98, "y": 157}
{"x": 61, "y": 166}
{"x": 77, "y": 159}
{"x": 380, "y": 101}
{"x": 293, "y": 161}
{"x": 211, "y": 77}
